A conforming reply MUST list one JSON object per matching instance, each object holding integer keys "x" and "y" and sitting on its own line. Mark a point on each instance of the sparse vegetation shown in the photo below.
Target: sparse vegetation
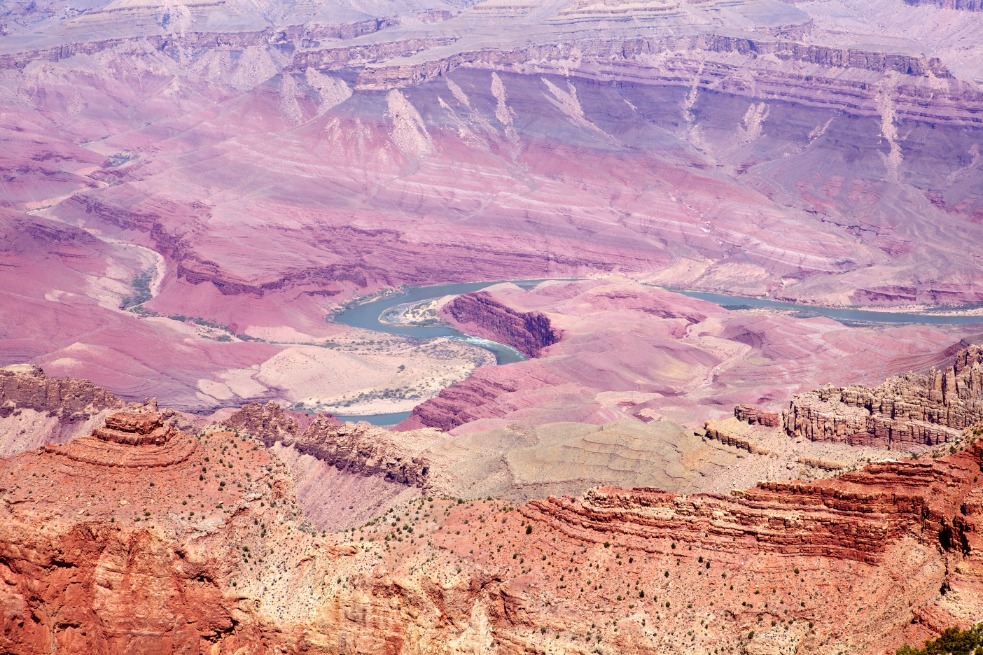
{"x": 141, "y": 291}
{"x": 951, "y": 642}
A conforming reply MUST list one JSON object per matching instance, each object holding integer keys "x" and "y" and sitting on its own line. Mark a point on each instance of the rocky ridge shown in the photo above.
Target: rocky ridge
{"x": 724, "y": 433}
{"x": 353, "y": 447}
{"x": 212, "y": 520}
{"x": 37, "y": 410}
{"x": 23, "y": 386}
{"x": 909, "y": 410}
{"x": 962, "y": 5}
{"x": 757, "y": 416}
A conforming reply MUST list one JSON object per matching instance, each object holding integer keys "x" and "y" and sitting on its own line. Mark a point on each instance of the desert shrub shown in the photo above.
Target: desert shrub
{"x": 951, "y": 642}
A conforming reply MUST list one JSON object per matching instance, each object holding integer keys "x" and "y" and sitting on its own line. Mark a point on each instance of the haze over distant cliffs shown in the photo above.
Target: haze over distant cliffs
{"x": 255, "y": 165}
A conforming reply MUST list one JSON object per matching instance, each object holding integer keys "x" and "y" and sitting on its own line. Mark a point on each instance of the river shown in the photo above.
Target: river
{"x": 366, "y": 315}
{"x": 847, "y": 316}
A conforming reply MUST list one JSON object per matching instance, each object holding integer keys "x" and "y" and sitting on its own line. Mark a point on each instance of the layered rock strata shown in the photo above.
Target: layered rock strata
{"x": 489, "y": 393}
{"x": 730, "y": 435}
{"x": 353, "y": 447}
{"x": 209, "y": 553}
{"x": 141, "y": 546}
{"x": 757, "y": 416}
{"x": 130, "y": 440}
{"x": 480, "y": 314}
{"x": 908, "y": 410}
{"x": 962, "y": 5}
{"x": 23, "y": 386}
{"x": 135, "y": 429}
{"x": 37, "y": 410}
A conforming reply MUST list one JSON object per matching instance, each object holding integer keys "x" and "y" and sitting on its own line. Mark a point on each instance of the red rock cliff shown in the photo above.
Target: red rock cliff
{"x": 195, "y": 544}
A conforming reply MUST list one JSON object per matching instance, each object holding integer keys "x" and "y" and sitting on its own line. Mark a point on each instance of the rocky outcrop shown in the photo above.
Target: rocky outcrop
{"x": 823, "y": 464}
{"x": 732, "y": 435}
{"x": 122, "y": 547}
{"x": 36, "y": 410}
{"x": 23, "y": 386}
{"x": 135, "y": 429}
{"x": 909, "y": 410}
{"x": 757, "y": 416}
{"x": 489, "y": 393}
{"x": 356, "y": 448}
{"x": 962, "y": 5}
{"x": 130, "y": 440}
{"x": 480, "y": 314}
{"x": 269, "y": 423}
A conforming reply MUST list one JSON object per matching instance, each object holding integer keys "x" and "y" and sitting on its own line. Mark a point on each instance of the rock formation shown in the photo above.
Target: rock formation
{"x": 197, "y": 543}
{"x": 23, "y": 386}
{"x": 909, "y": 410}
{"x": 487, "y": 394}
{"x": 135, "y": 429}
{"x": 732, "y": 435}
{"x": 757, "y": 416}
{"x": 353, "y": 447}
{"x": 36, "y": 409}
{"x": 480, "y": 314}
{"x": 139, "y": 545}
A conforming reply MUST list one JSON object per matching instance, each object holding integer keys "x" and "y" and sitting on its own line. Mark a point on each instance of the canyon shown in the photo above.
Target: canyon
{"x": 788, "y": 154}
{"x": 192, "y": 193}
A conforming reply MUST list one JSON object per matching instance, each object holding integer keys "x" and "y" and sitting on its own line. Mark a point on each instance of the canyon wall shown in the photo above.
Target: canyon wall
{"x": 27, "y": 387}
{"x": 212, "y": 521}
{"x": 36, "y": 409}
{"x": 912, "y": 409}
{"x": 962, "y": 5}
{"x": 480, "y": 314}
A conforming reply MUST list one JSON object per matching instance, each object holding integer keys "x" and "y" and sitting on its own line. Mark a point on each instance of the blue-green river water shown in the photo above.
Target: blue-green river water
{"x": 366, "y": 315}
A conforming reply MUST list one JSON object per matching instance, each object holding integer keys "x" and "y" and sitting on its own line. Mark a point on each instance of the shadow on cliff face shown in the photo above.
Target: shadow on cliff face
{"x": 527, "y": 332}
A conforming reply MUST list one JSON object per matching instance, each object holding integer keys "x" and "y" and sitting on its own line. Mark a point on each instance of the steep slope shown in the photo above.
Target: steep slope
{"x": 125, "y": 541}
